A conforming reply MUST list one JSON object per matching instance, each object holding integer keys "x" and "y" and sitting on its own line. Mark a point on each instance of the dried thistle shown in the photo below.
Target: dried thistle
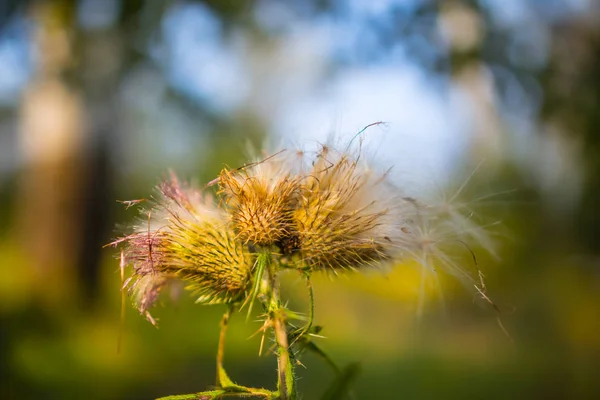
{"x": 275, "y": 215}
{"x": 342, "y": 221}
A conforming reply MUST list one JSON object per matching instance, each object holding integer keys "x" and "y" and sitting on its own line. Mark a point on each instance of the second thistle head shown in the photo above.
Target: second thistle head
{"x": 345, "y": 219}
{"x": 261, "y": 198}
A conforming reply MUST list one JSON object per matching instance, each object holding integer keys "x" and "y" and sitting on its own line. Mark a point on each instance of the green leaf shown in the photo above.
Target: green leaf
{"x": 262, "y": 262}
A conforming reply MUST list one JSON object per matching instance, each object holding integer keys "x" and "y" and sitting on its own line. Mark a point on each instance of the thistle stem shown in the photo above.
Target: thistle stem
{"x": 226, "y": 387}
{"x": 285, "y": 367}
{"x": 286, "y": 382}
{"x": 222, "y": 378}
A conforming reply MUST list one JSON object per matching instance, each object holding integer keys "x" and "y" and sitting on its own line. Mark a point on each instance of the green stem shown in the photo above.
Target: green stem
{"x": 226, "y": 386}
{"x": 286, "y": 381}
{"x": 222, "y": 377}
{"x": 285, "y": 370}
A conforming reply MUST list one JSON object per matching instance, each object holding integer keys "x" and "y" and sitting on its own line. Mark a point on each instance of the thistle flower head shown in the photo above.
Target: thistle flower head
{"x": 345, "y": 219}
{"x": 261, "y": 197}
{"x": 189, "y": 238}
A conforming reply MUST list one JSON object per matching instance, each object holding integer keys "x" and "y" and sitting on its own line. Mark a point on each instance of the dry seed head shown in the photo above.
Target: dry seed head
{"x": 186, "y": 237}
{"x": 350, "y": 217}
{"x": 344, "y": 220}
{"x": 260, "y": 198}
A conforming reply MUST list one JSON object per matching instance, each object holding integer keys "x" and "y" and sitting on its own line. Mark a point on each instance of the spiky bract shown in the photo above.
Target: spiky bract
{"x": 339, "y": 222}
{"x": 261, "y": 198}
{"x": 189, "y": 238}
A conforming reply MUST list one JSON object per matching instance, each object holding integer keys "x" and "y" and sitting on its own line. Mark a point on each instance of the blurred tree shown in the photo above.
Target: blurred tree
{"x": 52, "y": 139}
{"x": 571, "y": 82}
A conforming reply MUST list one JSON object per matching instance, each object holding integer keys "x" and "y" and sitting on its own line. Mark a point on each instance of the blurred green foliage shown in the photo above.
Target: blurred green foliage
{"x": 59, "y": 329}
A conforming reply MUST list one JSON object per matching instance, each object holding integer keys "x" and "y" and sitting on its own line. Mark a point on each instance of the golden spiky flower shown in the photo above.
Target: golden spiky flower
{"x": 187, "y": 237}
{"x": 261, "y": 198}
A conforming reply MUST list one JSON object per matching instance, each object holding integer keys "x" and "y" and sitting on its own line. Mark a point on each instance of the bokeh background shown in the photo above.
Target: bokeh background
{"x": 99, "y": 98}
